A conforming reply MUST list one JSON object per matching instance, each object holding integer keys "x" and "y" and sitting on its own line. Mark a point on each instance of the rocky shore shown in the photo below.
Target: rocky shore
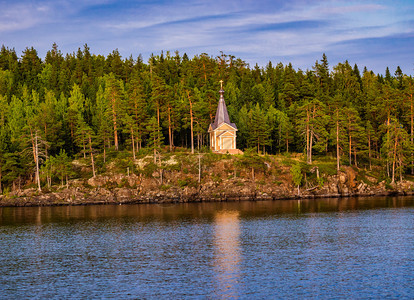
{"x": 122, "y": 189}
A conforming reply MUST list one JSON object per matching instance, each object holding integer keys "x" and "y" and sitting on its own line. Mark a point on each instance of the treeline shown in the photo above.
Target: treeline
{"x": 82, "y": 104}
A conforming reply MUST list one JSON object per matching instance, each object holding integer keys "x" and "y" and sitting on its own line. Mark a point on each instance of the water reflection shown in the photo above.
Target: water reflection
{"x": 189, "y": 211}
{"x": 227, "y": 253}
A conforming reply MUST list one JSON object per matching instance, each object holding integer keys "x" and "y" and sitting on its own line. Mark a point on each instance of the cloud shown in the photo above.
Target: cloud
{"x": 346, "y": 9}
{"x": 18, "y": 17}
{"x": 258, "y": 31}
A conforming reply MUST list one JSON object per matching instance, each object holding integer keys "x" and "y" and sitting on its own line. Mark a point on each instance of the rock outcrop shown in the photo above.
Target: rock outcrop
{"x": 122, "y": 189}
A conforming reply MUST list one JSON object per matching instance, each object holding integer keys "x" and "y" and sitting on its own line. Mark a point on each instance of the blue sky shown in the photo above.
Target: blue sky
{"x": 372, "y": 33}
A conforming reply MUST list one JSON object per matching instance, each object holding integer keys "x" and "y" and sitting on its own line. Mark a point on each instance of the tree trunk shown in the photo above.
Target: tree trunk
{"x": 394, "y": 158}
{"x": 114, "y": 120}
{"x": 369, "y": 151}
{"x": 1, "y": 189}
{"x": 161, "y": 171}
{"x": 280, "y": 137}
{"x": 350, "y": 149}
{"x": 133, "y": 143}
{"x": 104, "y": 154}
{"x": 307, "y": 136}
{"x": 287, "y": 142}
{"x": 310, "y": 147}
{"x": 37, "y": 163}
{"x": 90, "y": 149}
{"x": 33, "y": 147}
{"x": 199, "y": 168}
{"x": 412, "y": 131}
{"x": 191, "y": 122}
{"x": 169, "y": 129}
{"x": 388, "y": 138}
{"x": 46, "y": 140}
{"x": 158, "y": 120}
{"x": 84, "y": 147}
{"x": 337, "y": 141}
{"x": 140, "y": 140}
{"x": 355, "y": 157}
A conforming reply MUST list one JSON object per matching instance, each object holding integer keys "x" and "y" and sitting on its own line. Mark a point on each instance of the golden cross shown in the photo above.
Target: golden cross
{"x": 221, "y": 84}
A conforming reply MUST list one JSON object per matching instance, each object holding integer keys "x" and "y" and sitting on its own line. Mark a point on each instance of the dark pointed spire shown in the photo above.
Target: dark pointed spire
{"x": 222, "y": 115}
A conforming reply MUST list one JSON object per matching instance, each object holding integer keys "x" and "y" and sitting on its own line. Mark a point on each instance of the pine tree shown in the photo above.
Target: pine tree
{"x": 371, "y": 138}
{"x": 4, "y": 108}
{"x": 338, "y": 132}
{"x": 191, "y": 114}
{"x": 102, "y": 121}
{"x": 311, "y": 123}
{"x": 31, "y": 66}
{"x": 259, "y": 135}
{"x": 155, "y": 140}
{"x": 137, "y": 108}
{"x": 354, "y": 131}
{"x": 84, "y": 139}
{"x": 114, "y": 92}
{"x": 159, "y": 94}
{"x": 75, "y": 109}
{"x": 47, "y": 120}
{"x": 63, "y": 167}
{"x": 13, "y": 169}
{"x": 388, "y": 77}
{"x": 397, "y": 148}
{"x": 322, "y": 73}
{"x": 408, "y": 84}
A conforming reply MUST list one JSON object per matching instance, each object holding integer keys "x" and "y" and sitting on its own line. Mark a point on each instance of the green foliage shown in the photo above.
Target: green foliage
{"x": 155, "y": 139}
{"x": 187, "y": 181}
{"x": 327, "y": 166}
{"x": 82, "y": 103}
{"x": 165, "y": 187}
{"x": 216, "y": 179}
{"x": 149, "y": 169}
{"x": 297, "y": 175}
{"x": 251, "y": 160}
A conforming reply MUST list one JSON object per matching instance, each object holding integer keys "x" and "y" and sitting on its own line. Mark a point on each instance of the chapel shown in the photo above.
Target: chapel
{"x": 222, "y": 132}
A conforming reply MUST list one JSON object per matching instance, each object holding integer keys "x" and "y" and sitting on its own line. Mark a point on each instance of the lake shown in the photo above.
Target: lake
{"x": 355, "y": 248}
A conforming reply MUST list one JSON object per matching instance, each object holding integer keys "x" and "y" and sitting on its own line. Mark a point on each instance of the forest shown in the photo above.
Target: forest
{"x": 82, "y": 105}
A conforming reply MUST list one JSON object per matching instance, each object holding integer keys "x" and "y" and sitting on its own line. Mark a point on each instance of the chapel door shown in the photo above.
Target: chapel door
{"x": 227, "y": 143}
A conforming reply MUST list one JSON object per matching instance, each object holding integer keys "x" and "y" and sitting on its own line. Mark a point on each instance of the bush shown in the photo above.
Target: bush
{"x": 148, "y": 170}
{"x": 296, "y": 172}
{"x": 165, "y": 187}
{"x": 186, "y": 182}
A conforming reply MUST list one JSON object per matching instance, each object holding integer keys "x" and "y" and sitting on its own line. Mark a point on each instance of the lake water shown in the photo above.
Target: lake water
{"x": 327, "y": 248}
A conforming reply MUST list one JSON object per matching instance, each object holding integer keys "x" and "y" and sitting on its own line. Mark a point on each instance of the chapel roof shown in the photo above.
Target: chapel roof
{"x": 222, "y": 115}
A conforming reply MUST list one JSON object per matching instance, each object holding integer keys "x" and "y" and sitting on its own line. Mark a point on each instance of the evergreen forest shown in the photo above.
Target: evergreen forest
{"x": 82, "y": 105}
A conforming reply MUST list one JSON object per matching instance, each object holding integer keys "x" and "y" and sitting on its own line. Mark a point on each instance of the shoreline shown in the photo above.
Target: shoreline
{"x": 57, "y": 199}
{"x": 220, "y": 183}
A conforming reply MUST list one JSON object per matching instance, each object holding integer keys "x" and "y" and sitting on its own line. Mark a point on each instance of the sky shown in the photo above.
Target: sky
{"x": 375, "y": 34}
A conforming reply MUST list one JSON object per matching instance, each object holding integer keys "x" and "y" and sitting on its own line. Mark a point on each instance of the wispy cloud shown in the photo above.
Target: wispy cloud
{"x": 356, "y": 8}
{"x": 20, "y": 16}
{"x": 260, "y": 31}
